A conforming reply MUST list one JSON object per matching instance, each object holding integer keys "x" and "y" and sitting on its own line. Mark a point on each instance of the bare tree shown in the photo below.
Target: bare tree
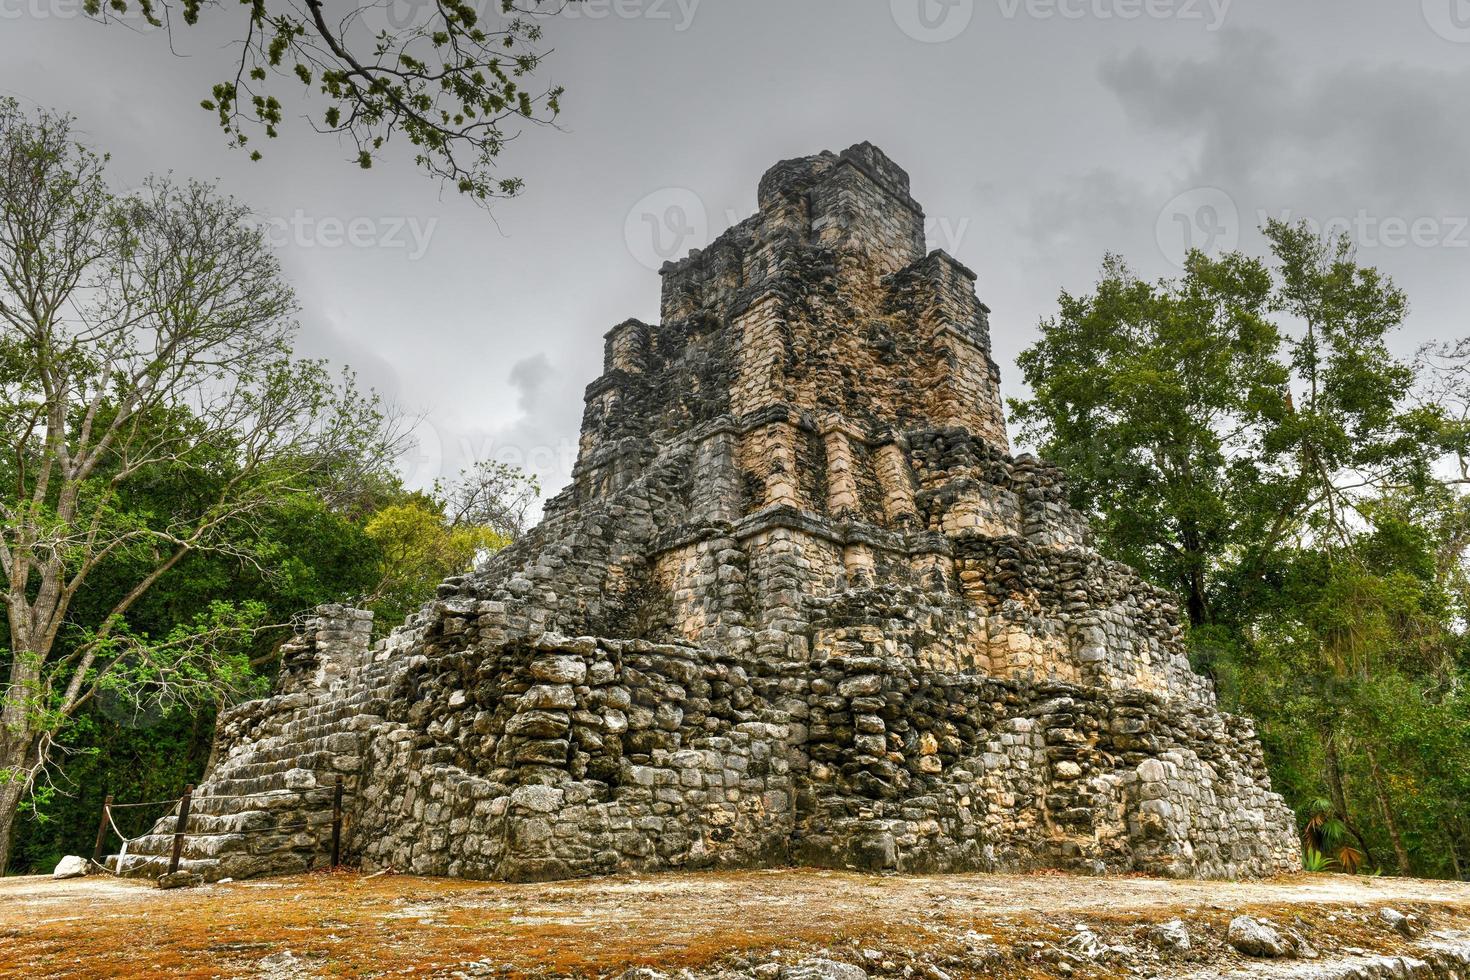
{"x": 141, "y": 335}
{"x": 1443, "y": 368}
{"x": 490, "y": 495}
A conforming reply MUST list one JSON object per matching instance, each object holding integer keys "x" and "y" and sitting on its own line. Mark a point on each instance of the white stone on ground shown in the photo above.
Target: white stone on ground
{"x": 70, "y": 866}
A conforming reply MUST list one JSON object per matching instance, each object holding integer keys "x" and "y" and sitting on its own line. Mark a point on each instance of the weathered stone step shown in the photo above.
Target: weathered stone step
{"x": 261, "y": 777}
{"x": 255, "y": 832}
{"x": 262, "y": 841}
{"x": 302, "y": 725}
{"x": 340, "y": 736}
{"x": 266, "y": 805}
{"x": 152, "y": 865}
{"x": 270, "y": 801}
{"x": 324, "y": 762}
{"x": 231, "y": 864}
{"x": 272, "y": 783}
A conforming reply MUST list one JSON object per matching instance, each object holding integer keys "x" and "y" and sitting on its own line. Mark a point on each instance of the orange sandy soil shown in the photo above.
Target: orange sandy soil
{"x": 347, "y": 925}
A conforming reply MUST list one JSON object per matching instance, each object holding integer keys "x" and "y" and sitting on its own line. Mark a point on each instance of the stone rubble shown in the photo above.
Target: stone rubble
{"x": 1432, "y": 961}
{"x": 1406, "y": 925}
{"x": 800, "y": 604}
{"x": 180, "y": 879}
{"x": 1445, "y": 958}
{"x": 1256, "y": 938}
{"x": 1172, "y": 936}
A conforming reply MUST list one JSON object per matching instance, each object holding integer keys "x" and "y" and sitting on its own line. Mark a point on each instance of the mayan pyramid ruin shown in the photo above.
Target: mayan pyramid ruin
{"x": 799, "y": 605}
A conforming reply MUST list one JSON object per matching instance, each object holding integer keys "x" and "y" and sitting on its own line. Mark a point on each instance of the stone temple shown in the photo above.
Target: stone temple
{"x": 799, "y": 605}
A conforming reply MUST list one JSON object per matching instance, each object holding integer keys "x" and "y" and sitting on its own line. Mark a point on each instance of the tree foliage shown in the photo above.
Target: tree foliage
{"x": 1216, "y": 418}
{"x": 177, "y": 485}
{"x": 454, "y": 79}
{"x": 425, "y": 538}
{"x": 136, "y": 748}
{"x": 146, "y": 339}
{"x": 1245, "y": 436}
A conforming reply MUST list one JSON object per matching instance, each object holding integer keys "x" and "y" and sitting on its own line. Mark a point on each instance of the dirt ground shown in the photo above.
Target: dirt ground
{"x": 346, "y": 925}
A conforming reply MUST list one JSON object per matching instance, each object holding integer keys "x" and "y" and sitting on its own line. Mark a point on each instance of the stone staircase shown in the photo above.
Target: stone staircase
{"x": 266, "y": 803}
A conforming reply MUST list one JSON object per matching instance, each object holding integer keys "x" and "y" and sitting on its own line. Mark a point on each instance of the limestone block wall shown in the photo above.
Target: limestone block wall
{"x": 329, "y": 648}
{"x": 1037, "y": 602}
{"x": 553, "y": 756}
{"x": 866, "y": 211}
{"x": 539, "y": 756}
{"x": 824, "y": 301}
{"x": 763, "y": 344}
{"x": 938, "y": 293}
{"x": 939, "y": 772}
{"x": 708, "y": 580}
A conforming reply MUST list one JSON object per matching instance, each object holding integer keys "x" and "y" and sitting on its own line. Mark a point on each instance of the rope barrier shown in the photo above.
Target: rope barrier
{"x": 290, "y": 829}
{"x": 230, "y": 833}
{"x": 122, "y": 852}
{"x": 124, "y": 806}
{"x": 224, "y": 833}
{"x": 125, "y": 838}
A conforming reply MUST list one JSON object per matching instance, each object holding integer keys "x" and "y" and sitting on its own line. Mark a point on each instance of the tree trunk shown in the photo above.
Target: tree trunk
{"x": 1459, "y": 848}
{"x": 10, "y": 797}
{"x": 1197, "y": 596}
{"x": 20, "y": 753}
{"x": 1332, "y": 770}
{"x": 1197, "y": 604}
{"x": 17, "y": 738}
{"x": 1400, "y": 852}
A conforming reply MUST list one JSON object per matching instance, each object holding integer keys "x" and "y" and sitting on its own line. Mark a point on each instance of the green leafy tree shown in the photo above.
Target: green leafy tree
{"x": 145, "y": 338}
{"x": 305, "y": 552}
{"x": 425, "y": 538}
{"x": 1204, "y": 422}
{"x": 492, "y": 495}
{"x": 1357, "y": 673}
{"x": 1246, "y": 438}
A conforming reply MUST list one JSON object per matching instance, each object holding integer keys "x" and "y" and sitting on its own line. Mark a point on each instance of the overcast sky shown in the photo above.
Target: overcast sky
{"x": 1039, "y": 135}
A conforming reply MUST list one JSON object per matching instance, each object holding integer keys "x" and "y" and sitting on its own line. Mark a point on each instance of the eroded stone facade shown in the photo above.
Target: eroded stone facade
{"x": 801, "y": 604}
